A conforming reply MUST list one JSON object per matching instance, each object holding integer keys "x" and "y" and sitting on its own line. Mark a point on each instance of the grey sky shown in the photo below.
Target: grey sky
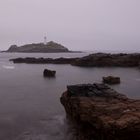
{"x": 77, "y": 24}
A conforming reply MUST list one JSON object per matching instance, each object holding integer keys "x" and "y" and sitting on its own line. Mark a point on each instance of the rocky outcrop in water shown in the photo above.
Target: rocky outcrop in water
{"x": 111, "y": 80}
{"x": 93, "y": 60}
{"x": 49, "y": 73}
{"x": 32, "y": 60}
{"x": 100, "y": 113}
{"x": 39, "y": 47}
{"x": 109, "y": 60}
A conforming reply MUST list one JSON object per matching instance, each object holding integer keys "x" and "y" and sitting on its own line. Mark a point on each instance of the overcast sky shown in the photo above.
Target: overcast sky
{"x": 77, "y": 24}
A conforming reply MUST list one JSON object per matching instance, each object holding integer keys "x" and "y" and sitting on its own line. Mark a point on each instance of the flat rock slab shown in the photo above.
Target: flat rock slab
{"x": 111, "y": 80}
{"x": 100, "y": 113}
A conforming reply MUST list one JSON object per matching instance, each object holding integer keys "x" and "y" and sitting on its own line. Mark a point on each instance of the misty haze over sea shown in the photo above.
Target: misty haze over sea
{"x": 79, "y": 25}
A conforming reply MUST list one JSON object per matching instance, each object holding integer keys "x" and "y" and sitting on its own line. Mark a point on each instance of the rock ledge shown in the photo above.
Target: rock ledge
{"x": 100, "y": 113}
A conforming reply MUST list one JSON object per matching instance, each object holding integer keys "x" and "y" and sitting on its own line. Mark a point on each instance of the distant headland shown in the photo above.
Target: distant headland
{"x": 48, "y": 47}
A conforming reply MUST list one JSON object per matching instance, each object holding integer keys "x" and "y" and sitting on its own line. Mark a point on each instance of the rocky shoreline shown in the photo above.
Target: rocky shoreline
{"x": 100, "y": 113}
{"x": 32, "y": 60}
{"x": 93, "y": 60}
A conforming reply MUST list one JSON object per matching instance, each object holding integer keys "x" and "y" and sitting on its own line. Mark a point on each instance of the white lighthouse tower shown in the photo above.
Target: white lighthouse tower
{"x": 45, "y": 40}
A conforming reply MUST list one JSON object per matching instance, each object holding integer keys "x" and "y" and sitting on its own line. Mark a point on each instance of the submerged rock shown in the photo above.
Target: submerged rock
{"x": 49, "y": 73}
{"x": 111, "y": 80}
{"x": 100, "y": 113}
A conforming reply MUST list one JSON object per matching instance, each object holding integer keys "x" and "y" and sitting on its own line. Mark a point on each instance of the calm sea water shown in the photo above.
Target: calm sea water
{"x": 30, "y": 108}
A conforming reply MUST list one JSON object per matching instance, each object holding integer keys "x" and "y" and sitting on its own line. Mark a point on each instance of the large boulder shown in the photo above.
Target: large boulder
{"x": 49, "y": 73}
{"x": 100, "y": 113}
{"x": 111, "y": 80}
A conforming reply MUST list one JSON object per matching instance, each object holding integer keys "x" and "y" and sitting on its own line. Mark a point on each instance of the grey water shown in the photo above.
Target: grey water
{"x": 30, "y": 107}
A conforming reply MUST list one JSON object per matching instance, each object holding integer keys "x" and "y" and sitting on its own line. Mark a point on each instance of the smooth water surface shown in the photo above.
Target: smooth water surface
{"x": 30, "y": 106}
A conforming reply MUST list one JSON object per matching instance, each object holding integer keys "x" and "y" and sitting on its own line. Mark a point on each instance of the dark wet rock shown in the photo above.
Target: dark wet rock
{"x": 49, "y": 73}
{"x": 109, "y": 60}
{"x": 93, "y": 60}
{"x": 32, "y": 60}
{"x": 111, "y": 80}
{"x": 100, "y": 113}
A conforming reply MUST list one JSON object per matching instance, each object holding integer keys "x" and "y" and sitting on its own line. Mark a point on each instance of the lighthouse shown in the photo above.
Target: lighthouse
{"x": 45, "y": 40}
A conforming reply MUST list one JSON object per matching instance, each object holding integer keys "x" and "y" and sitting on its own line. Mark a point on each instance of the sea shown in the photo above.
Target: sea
{"x": 30, "y": 107}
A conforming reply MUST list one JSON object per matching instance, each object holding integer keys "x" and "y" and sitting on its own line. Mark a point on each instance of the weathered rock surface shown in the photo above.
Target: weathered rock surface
{"x": 93, "y": 60}
{"x": 49, "y": 73}
{"x": 111, "y": 80}
{"x": 100, "y": 113}
{"x": 39, "y": 47}
{"x": 109, "y": 60}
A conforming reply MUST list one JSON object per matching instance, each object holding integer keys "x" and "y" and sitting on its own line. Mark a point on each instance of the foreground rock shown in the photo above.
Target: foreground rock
{"x": 111, "y": 80}
{"x": 100, "y": 113}
{"x": 93, "y": 60}
{"x": 49, "y": 73}
{"x": 39, "y": 47}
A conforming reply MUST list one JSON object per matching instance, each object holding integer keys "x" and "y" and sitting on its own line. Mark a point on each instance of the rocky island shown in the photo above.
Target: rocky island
{"x": 39, "y": 47}
{"x": 100, "y": 113}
